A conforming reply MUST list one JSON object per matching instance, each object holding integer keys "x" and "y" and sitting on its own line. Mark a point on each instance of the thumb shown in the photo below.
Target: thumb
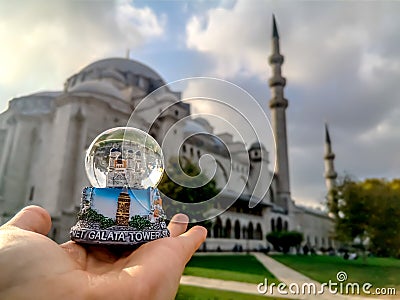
{"x": 32, "y": 218}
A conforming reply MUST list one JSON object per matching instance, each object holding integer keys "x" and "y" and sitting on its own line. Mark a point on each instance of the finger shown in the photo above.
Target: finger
{"x": 32, "y": 218}
{"x": 191, "y": 240}
{"x": 178, "y": 224}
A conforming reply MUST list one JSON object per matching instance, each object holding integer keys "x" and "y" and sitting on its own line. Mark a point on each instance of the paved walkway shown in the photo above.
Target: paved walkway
{"x": 225, "y": 285}
{"x": 282, "y": 272}
{"x": 288, "y": 276}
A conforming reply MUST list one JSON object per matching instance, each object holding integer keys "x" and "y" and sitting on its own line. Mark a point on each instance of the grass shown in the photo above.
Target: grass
{"x": 381, "y": 272}
{"x": 244, "y": 268}
{"x": 187, "y": 292}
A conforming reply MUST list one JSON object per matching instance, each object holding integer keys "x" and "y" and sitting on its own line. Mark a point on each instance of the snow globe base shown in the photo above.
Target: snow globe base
{"x": 119, "y": 216}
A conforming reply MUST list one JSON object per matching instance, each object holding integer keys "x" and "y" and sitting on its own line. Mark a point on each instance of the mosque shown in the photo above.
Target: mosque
{"x": 44, "y": 137}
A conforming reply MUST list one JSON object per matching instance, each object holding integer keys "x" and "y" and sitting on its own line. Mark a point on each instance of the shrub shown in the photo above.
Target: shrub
{"x": 283, "y": 240}
{"x": 106, "y": 223}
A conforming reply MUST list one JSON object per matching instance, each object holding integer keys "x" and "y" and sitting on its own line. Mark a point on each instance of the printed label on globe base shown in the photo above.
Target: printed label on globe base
{"x": 119, "y": 216}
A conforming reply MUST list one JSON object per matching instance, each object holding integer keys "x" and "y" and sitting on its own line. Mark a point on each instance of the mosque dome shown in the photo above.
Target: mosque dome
{"x": 114, "y": 77}
{"x": 123, "y": 65}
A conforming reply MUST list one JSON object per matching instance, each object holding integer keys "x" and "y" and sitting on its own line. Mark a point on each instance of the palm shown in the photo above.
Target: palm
{"x": 51, "y": 270}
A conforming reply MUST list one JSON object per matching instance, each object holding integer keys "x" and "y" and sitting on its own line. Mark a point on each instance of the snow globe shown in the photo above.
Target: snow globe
{"x": 123, "y": 206}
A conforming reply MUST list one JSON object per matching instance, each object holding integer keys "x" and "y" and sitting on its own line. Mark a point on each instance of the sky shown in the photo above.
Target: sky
{"x": 342, "y": 64}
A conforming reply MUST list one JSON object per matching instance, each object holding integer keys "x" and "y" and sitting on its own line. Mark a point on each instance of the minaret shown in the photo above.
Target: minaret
{"x": 278, "y": 105}
{"x": 330, "y": 174}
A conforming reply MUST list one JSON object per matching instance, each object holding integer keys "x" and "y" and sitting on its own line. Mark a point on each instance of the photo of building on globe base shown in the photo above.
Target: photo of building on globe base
{"x": 44, "y": 138}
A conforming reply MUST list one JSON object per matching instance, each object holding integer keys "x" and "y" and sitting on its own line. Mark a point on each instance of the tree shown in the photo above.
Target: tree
{"x": 92, "y": 216}
{"x": 367, "y": 213}
{"x": 184, "y": 193}
{"x": 284, "y": 240}
{"x": 139, "y": 222}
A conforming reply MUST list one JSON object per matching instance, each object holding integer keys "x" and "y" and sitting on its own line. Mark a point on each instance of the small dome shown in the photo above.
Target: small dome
{"x": 192, "y": 126}
{"x": 202, "y": 121}
{"x": 257, "y": 146}
{"x": 218, "y": 143}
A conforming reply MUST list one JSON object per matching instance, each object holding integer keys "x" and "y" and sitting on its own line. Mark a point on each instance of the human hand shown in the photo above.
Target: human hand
{"x": 35, "y": 267}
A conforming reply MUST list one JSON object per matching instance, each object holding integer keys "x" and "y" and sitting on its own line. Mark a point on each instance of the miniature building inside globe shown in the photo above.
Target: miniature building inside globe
{"x": 125, "y": 169}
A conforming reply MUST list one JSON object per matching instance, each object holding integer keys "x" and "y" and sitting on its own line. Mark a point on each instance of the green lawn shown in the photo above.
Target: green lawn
{"x": 381, "y": 272}
{"x": 244, "y": 268}
{"x": 187, "y": 292}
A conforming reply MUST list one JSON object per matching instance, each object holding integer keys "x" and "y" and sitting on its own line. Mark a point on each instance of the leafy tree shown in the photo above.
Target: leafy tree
{"x": 367, "y": 213}
{"x": 139, "y": 222}
{"x": 184, "y": 193}
{"x": 284, "y": 240}
{"x": 92, "y": 216}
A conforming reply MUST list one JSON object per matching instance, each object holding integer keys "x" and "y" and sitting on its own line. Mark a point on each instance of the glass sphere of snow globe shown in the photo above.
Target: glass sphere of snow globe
{"x": 124, "y": 156}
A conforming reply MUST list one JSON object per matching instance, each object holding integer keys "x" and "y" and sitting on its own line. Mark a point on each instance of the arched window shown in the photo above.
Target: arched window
{"x": 228, "y": 229}
{"x": 316, "y": 241}
{"x": 244, "y": 232}
{"x": 217, "y": 228}
{"x": 279, "y": 224}
{"x": 237, "y": 229}
{"x": 259, "y": 235}
{"x": 285, "y": 226}
{"x": 272, "y": 225}
{"x": 250, "y": 231}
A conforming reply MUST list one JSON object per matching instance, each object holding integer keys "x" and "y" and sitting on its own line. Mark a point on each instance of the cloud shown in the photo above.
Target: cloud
{"x": 220, "y": 33}
{"x": 46, "y": 42}
{"x": 142, "y": 21}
